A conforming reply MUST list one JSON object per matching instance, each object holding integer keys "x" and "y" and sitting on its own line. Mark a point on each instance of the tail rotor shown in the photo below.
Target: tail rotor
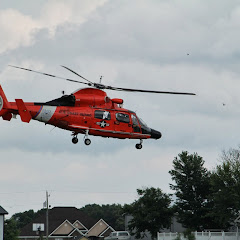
{"x": 4, "y": 106}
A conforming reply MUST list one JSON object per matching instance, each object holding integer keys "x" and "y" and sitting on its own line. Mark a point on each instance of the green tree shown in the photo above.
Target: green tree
{"x": 10, "y": 230}
{"x": 188, "y": 234}
{"x": 112, "y": 214}
{"x": 151, "y": 212}
{"x": 23, "y": 218}
{"x": 225, "y": 186}
{"x": 192, "y": 188}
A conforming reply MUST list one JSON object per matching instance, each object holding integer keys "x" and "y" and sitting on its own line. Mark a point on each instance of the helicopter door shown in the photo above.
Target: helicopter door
{"x": 102, "y": 119}
{"x": 135, "y": 124}
{"x": 122, "y": 123}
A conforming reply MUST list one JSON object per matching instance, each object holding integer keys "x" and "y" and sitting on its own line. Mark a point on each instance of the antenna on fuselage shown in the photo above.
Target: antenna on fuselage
{"x": 101, "y": 79}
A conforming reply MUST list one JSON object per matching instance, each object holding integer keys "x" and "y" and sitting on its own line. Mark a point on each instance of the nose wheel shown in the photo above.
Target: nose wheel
{"x": 139, "y": 145}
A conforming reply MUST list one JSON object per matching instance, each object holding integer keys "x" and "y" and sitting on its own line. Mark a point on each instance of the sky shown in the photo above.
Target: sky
{"x": 187, "y": 46}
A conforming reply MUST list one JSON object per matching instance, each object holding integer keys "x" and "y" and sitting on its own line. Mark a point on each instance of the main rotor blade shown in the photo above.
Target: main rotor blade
{"x": 147, "y": 91}
{"x": 50, "y": 75}
{"x": 102, "y": 86}
{"x": 76, "y": 74}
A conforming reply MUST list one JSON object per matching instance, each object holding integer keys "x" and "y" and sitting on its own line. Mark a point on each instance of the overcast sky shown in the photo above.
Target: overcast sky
{"x": 190, "y": 46}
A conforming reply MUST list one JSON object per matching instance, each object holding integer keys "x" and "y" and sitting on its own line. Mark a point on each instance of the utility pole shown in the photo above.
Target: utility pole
{"x": 47, "y": 215}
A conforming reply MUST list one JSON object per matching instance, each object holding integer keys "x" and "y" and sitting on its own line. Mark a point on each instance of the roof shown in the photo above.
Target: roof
{"x": 3, "y": 211}
{"x": 100, "y": 229}
{"x": 56, "y": 216}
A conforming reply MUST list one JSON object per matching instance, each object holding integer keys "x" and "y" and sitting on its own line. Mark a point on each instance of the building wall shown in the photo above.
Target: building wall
{"x": 65, "y": 228}
{"x": 1, "y": 226}
{"x": 97, "y": 229}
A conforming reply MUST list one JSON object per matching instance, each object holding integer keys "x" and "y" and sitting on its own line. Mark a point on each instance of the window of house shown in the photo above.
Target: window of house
{"x": 102, "y": 114}
{"x": 38, "y": 227}
{"x": 122, "y": 117}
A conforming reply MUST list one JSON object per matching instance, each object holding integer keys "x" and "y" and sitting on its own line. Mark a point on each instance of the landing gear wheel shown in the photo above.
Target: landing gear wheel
{"x": 74, "y": 140}
{"x": 87, "y": 141}
{"x": 138, "y": 146}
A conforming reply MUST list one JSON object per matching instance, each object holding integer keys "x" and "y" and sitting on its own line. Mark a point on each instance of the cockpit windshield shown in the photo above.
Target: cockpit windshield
{"x": 142, "y": 123}
{"x": 144, "y": 127}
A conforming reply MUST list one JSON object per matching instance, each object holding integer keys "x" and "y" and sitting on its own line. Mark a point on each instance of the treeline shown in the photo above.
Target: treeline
{"x": 204, "y": 199}
{"x": 111, "y": 213}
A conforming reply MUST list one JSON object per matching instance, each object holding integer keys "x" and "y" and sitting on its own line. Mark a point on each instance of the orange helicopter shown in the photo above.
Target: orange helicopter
{"x": 87, "y": 111}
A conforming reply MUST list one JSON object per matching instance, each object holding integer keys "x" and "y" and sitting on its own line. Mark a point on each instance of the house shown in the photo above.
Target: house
{"x": 2, "y": 213}
{"x": 66, "y": 223}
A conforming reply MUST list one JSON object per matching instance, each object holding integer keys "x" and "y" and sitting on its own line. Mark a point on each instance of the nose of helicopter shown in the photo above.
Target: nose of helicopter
{"x": 155, "y": 134}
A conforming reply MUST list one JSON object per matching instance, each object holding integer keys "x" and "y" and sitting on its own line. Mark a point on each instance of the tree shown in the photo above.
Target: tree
{"x": 10, "y": 230}
{"x": 192, "y": 189}
{"x": 112, "y": 214}
{"x": 231, "y": 156}
{"x": 23, "y": 218}
{"x": 225, "y": 186}
{"x": 151, "y": 212}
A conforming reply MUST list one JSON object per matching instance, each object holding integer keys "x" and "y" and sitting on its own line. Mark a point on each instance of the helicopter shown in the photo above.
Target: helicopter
{"x": 87, "y": 111}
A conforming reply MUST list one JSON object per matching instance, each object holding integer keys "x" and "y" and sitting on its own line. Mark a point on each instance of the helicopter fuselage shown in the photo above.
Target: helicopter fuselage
{"x": 87, "y": 111}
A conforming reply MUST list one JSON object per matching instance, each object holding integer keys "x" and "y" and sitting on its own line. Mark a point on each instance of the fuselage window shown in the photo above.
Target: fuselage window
{"x": 121, "y": 117}
{"x": 102, "y": 114}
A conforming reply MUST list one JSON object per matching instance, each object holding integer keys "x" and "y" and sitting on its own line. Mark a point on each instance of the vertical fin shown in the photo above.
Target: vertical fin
{"x": 23, "y": 111}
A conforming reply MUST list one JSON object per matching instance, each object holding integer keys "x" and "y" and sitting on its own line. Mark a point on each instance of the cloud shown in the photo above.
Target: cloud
{"x": 19, "y": 30}
{"x": 16, "y": 30}
{"x": 56, "y": 13}
{"x": 78, "y": 178}
{"x": 134, "y": 44}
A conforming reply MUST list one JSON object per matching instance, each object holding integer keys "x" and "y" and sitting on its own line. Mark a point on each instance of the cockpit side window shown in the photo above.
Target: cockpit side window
{"x": 121, "y": 117}
{"x": 102, "y": 114}
{"x": 135, "y": 123}
{"x": 134, "y": 120}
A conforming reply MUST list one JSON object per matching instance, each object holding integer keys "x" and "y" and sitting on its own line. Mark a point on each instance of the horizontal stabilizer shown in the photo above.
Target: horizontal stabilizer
{"x": 23, "y": 111}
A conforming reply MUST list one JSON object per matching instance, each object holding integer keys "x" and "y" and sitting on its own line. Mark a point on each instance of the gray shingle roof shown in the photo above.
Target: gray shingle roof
{"x": 3, "y": 211}
{"x": 57, "y": 216}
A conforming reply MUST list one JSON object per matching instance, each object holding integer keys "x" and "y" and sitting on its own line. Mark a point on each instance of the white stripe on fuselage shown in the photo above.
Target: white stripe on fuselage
{"x": 46, "y": 114}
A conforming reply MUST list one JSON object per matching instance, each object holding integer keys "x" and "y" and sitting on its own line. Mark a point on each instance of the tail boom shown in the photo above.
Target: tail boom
{"x": 5, "y": 112}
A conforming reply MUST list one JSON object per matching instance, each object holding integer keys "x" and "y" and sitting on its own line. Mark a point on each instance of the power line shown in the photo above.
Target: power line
{"x": 22, "y": 192}
{"x": 107, "y": 192}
